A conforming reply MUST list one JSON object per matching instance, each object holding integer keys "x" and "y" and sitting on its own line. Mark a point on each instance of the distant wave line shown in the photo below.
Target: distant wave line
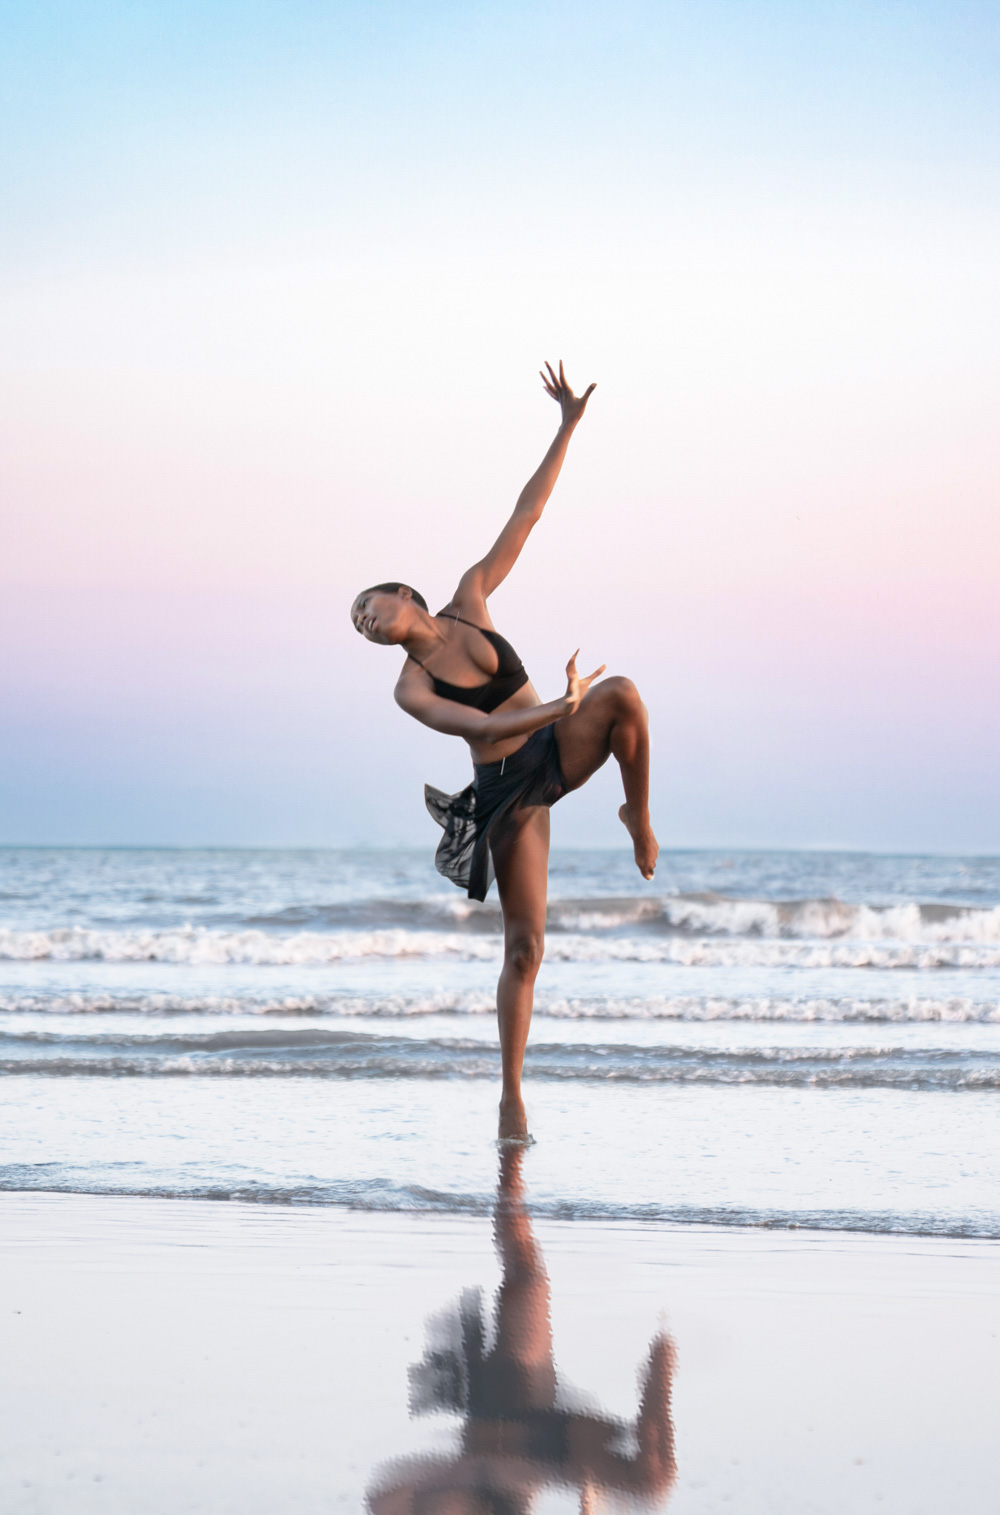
{"x": 701, "y": 914}
{"x": 958, "y": 1010}
{"x": 346, "y": 1055}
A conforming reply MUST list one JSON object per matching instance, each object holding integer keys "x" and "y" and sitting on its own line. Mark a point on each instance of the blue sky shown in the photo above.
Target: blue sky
{"x": 145, "y": 130}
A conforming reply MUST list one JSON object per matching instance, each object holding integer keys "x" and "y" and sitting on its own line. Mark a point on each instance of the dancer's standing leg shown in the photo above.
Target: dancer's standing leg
{"x": 521, "y": 861}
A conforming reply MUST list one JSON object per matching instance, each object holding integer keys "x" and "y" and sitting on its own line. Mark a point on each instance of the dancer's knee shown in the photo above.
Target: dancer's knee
{"x": 624, "y": 697}
{"x": 523, "y": 952}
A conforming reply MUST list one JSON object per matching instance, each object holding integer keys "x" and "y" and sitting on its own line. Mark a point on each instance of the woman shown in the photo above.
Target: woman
{"x": 462, "y": 678}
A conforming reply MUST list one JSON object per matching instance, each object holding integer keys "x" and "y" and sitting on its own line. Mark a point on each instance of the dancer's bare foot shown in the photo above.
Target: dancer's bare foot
{"x": 513, "y": 1120}
{"x": 644, "y": 843}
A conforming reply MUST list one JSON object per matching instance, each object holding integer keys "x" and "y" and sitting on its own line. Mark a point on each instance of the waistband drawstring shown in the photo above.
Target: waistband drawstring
{"x": 502, "y": 761}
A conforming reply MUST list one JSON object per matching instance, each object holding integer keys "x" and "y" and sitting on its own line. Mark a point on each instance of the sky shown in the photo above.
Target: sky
{"x": 277, "y": 280}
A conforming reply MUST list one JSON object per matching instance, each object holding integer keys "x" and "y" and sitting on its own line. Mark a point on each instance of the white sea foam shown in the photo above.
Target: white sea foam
{"x": 751, "y": 952}
{"x": 201, "y": 946}
{"x": 830, "y": 918}
{"x": 805, "y": 1009}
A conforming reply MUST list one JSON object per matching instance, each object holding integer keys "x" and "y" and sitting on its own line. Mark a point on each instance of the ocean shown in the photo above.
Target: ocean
{"x": 763, "y": 1039}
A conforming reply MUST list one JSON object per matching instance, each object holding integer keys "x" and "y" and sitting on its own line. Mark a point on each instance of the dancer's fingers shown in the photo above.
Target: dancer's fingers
{"x": 562, "y": 376}
{"x": 589, "y": 391}
{"x": 551, "y": 370}
{"x": 595, "y": 675}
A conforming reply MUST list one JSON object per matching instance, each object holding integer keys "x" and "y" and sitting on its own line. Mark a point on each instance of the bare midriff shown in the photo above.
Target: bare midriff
{"x": 524, "y": 698}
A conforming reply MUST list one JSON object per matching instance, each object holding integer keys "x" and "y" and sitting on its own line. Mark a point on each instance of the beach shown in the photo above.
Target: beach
{"x": 253, "y": 1218}
{"x": 207, "y": 1356}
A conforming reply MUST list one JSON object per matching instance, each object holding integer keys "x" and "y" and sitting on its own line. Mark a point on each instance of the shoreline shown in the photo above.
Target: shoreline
{"x": 561, "y": 1212}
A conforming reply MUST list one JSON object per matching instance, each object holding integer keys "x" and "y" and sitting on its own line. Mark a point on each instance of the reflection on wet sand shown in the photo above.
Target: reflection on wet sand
{"x": 521, "y": 1432}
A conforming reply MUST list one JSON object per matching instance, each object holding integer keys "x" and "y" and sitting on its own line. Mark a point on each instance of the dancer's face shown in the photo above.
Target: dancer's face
{"x": 383, "y": 617}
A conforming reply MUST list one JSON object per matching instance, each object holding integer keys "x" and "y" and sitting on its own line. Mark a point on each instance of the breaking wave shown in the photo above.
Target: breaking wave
{"x": 962, "y": 939}
{"x": 701, "y": 914}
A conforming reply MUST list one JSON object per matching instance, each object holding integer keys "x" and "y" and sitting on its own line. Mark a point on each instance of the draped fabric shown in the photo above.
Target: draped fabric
{"x": 530, "y": 776}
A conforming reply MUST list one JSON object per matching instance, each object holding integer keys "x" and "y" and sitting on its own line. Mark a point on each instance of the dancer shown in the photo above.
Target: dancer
{"x": 461, "y": 677}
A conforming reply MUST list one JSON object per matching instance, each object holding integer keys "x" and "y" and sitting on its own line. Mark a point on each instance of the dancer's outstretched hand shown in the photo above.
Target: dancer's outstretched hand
{"x": 576, "y": 687}
{"x": 571, "y": 405}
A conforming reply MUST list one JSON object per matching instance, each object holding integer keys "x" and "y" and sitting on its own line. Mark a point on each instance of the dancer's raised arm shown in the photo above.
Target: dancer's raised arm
{"x": 483, "y": 577}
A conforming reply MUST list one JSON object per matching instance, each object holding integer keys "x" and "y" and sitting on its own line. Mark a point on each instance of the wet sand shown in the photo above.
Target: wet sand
{"x": 217, "y": 1357}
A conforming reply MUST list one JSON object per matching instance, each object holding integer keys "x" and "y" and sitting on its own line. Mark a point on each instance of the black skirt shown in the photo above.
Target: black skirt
{"x": 529, "y": 776}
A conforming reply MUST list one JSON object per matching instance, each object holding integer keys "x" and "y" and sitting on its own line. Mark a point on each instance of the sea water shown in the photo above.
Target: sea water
{"x": 779, "y": 1039}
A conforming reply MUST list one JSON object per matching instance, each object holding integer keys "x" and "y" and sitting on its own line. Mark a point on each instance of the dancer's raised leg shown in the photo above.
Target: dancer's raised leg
{"x": 612, "y": 722}
{"x": 521, "y": 861}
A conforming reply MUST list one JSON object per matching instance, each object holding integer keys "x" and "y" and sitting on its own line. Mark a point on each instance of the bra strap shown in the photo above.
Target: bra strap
{"x": 449, "y": 617}
{"x": 464, "y": 622}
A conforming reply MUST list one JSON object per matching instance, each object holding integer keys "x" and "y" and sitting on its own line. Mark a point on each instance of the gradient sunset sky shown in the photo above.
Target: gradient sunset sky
{"x": 277, "y": 281}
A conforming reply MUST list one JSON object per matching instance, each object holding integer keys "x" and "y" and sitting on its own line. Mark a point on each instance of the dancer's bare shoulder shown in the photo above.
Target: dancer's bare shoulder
{"x": 469, "y": 603}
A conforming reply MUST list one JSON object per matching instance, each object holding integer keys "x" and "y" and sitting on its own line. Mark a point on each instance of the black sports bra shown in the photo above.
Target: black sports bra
{"x": 508, "y": 679}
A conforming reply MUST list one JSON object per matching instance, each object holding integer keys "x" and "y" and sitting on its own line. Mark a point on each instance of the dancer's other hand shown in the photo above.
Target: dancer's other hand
{"x": 571, "y": 405}
{"x": 576, "y": 687}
